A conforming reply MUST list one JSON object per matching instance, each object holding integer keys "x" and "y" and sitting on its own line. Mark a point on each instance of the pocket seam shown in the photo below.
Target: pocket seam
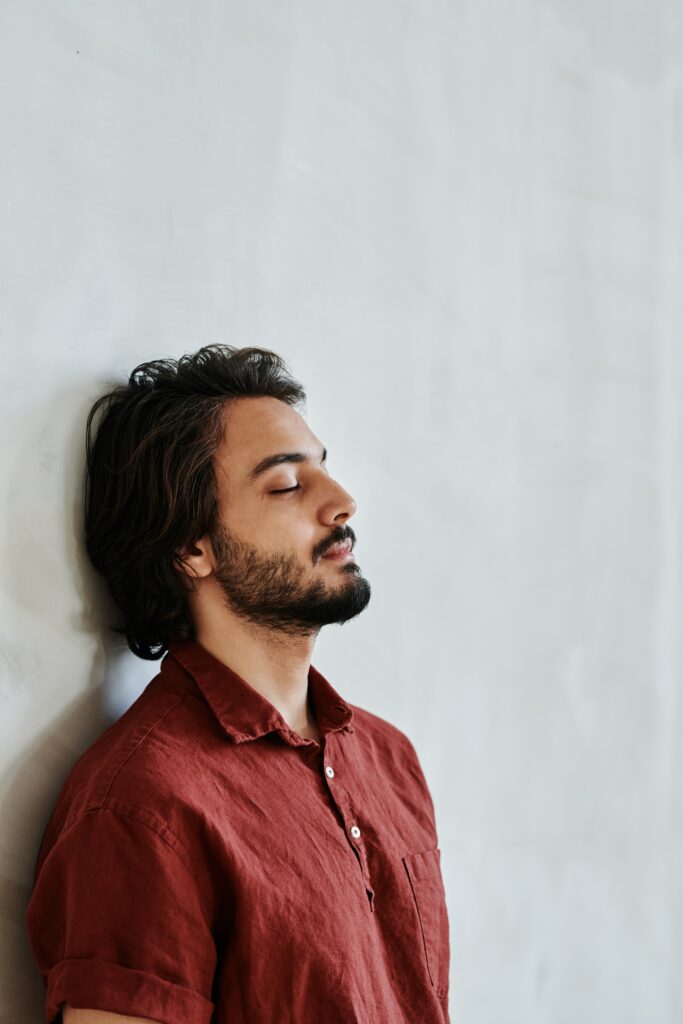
{"x": 415, "y": 881}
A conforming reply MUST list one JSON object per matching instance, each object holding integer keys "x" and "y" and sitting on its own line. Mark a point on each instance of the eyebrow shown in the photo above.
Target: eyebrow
{"x": 276, "y": 460}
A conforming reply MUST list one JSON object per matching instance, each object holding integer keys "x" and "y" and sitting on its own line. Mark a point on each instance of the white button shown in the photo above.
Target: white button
{"x": 329, "y": 771}
{"x": 355, "y": 831}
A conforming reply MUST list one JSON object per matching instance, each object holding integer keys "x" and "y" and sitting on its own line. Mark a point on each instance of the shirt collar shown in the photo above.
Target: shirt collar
{"x": 242, "y": 711}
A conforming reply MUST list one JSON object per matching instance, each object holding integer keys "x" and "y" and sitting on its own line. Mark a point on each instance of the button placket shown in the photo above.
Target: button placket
{"x": 341, "y": 800}
{"x": 356, "y": 842}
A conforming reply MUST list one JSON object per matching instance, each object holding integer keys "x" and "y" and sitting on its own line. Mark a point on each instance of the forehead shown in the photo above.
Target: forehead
{"x": 258, "y": 427}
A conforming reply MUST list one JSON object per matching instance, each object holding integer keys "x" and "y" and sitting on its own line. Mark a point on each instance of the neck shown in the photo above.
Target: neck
{"x": 273, "y": 663}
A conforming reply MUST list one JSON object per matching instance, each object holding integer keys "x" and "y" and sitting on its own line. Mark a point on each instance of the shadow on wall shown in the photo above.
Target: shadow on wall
{"x": 29, "y": 797}
{"x": 31, "y": 784}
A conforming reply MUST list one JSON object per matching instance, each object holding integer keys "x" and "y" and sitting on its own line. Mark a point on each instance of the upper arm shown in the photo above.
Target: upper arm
{"x": 119, "y": 923}
{"x": 73, "y": 1016}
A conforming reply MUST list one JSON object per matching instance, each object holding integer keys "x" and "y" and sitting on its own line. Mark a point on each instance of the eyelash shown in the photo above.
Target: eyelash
{"x": 286, "y": 490}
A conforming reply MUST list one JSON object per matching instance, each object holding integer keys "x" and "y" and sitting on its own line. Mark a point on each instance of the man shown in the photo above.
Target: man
{"x": 242, "y": 846}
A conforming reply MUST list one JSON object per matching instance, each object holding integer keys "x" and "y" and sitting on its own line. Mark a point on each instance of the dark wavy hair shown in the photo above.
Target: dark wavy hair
{"x": 150, "y": 486}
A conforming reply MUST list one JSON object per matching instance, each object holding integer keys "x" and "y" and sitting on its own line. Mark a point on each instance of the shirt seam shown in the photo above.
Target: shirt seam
{"x": 176, "y": 847}
{"x": 139, "y": 743}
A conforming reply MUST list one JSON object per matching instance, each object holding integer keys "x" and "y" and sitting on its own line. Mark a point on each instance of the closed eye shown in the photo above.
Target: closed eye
{"x": 286, "y": 490}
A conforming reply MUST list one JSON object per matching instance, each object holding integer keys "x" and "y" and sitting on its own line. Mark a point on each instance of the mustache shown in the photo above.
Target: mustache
{"x": 338, "y": 536}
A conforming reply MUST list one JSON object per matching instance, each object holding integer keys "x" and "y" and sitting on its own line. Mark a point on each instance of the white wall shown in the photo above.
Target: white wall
{"x": 461, "y": 223}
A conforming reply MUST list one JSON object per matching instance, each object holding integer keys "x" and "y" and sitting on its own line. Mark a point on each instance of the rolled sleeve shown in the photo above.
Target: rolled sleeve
{"x": 117, "y": 923}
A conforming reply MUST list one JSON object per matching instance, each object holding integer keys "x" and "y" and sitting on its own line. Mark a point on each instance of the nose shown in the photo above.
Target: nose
{"x": 338, "y": 506}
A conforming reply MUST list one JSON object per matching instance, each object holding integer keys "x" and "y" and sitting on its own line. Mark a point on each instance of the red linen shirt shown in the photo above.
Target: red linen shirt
{"x": 205, "y": 863}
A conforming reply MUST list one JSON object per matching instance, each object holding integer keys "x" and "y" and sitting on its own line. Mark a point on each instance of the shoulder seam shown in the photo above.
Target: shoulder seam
{"x": 176, "y": 847}
{"x": 140, "y": 741}
{"x": 118, "y": 812}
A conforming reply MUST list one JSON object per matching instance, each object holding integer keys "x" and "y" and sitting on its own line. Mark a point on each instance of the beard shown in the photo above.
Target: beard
{"x": 272, "y": 590}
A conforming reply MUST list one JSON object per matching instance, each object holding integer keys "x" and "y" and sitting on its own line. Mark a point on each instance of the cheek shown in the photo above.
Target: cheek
{"x": 275, "y": 528}
{"x": 287, "y": 534}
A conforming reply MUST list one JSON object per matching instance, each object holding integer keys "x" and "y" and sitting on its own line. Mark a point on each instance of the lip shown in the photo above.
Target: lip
{"x": 340, "y": 552}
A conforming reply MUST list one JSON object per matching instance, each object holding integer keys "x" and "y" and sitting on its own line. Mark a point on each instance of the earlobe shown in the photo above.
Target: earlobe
{"x": 195, "y": 559}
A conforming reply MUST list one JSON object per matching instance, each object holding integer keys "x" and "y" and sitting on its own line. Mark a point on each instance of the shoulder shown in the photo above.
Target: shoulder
{"x": 138, "y": 765}
{"x": 380, "y": 728}
{"x": 388, "y": 739}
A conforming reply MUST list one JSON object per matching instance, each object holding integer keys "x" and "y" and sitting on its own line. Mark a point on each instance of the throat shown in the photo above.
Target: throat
{"x": 310, "y": 731}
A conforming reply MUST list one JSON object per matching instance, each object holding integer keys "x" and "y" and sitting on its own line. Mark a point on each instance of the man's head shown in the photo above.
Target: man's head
{"x": 203, "y": 474}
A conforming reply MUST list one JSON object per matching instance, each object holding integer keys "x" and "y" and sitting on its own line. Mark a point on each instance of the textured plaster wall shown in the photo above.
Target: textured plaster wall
{"x": 462, "y": 224}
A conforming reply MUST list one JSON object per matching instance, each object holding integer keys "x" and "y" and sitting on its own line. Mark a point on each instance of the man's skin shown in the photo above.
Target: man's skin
{"x": 73, "y": 1016}
{"x": 287, "y": 528}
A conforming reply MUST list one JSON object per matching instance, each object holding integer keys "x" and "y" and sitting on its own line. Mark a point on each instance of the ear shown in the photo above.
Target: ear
{"x": 196, "y": 560}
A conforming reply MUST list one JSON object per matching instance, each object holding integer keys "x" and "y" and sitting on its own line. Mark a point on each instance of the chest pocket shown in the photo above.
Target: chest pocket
{"x": 424, "y": 871}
